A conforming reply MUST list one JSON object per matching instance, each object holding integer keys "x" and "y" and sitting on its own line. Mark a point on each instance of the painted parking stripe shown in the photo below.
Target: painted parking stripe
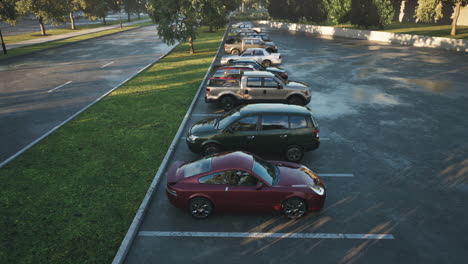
{"x": 16, "y": 66}
{"x": 107, "y": 64}
{"x": 335, "y": 174}
{"x": 266, "y": 235}
{"x": 133, "y": 52}
{"x": 60, "y": 86}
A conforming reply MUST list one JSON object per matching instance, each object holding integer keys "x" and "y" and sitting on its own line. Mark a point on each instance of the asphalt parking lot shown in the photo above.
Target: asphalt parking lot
{"x": 394, "y": 156}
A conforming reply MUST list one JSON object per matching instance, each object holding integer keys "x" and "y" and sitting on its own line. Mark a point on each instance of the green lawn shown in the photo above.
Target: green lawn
{"x": 53, "y": 32}
{"x": 71, "y": 197}
{"x": 31, "y": 48}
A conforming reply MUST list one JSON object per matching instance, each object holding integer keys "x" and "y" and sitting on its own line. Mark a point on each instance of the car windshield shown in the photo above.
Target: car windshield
{"x": 267, "y": 171}
{"x": 199, "y": 166}
{"x": 226, "y": 119}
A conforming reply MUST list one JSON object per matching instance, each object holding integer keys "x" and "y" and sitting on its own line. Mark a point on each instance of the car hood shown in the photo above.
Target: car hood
{"x": 275, "y": 69}
{"x": 291, "y": 174}
{"x": 297, "y": 84}
{"x": 203, "y": 127}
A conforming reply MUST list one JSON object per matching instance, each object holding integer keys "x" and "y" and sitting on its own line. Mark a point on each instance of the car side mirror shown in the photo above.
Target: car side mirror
{"x": 280, "y": 86}
{"x": 259, "y": 185}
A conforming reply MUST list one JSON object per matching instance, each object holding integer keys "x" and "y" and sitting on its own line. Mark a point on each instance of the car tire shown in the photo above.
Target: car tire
{"x": 294, "y": 208}
{"x": 200, "y": 207}
{"x": 210, "y": 148}
{"x": 294, "y": 153}
{"x": 235, "y": 52}
{"x": 296, "y": 100}
{"x": 227, "y": 103}
{"x": 266, "y": 63}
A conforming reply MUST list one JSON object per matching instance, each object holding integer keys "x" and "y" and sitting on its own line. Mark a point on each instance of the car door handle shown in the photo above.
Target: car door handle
{"x": 264, "y": 91}
{"x": 227, "y": 189}
{"x": 250, "y": 137}
{"x": 283, "y": 136}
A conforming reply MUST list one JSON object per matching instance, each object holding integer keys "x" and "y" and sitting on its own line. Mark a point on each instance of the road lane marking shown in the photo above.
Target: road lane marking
{"x": 60, "y": 86}
{"x": 335, "y": 174}
{"x": 133, "y": 52}
{"x": 107, "y": 64}
{"x": 266, "y": 235}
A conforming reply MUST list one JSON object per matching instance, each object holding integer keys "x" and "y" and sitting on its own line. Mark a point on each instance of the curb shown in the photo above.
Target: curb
{"x": 79, "y": 112}
{"x": 421, "y": 41}
{"x": 66, "y": 44}
{"x": 133, "y": 229}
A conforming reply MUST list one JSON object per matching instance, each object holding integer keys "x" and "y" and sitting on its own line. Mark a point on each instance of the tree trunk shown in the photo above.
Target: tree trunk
{"x": 192, "y": 50}
{"x": 139, "y": 16}
{"x": 3, "y": 43}
{"x": 104, "y": 20}
{"x": 72, "y": 20}
{"x": 211, "y": 28}
{"x": 41, "y": 24}
{"x": 128, "y": 17}
{"x": 455, "y": 18}
{"x": 243, "y": 7}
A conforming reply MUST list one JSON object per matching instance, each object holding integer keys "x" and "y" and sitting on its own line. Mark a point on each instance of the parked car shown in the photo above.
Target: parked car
{"x": 275, "y": 70}
{"x": 258, "y": 86}
{"x": 229, "y": 75}
{"x": 272, "y": 128}
{"x": 245, "y": 43}
{"x": 240, "y": 181}
{"x": 260, "y": 55}
{"x": 245, "y": 27}
{"x": 265, "y": 37}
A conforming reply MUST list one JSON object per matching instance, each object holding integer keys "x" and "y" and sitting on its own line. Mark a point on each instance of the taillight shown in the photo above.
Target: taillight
{"x": 280, "y": 56}
{"x": 207, "y": 90}
{"x": 316, "y": 131}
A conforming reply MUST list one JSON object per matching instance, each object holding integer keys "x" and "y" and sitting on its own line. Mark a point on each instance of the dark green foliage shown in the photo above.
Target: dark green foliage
{"x": 338, "y": 11}
{"x": 7, "y": 11}
{"x": 295, "y": 10}
{"x": 371, "y": 13}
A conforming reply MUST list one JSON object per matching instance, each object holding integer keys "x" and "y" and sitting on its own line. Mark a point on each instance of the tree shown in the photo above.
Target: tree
{"x": 431, "y": 10}
{"x": 99, "y": 8}
{"x": 8, "y": 15}
{"x": 46, "y": 11}
{"x": 337, "y": 10}
{"x": 75, "y": 5}
{"x": 214, "y": 14}
{"x": 177, "y": 20}
{"x": 366, "y": 13}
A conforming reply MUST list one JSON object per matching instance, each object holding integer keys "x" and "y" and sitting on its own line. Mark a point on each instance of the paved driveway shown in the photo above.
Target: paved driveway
{"x": 41, "y": 90}
{"x": 394, "y": 156}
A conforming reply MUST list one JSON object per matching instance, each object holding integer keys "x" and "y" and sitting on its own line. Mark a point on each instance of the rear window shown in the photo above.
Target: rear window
{"x": 272, "y": 122}
{"x": 197, "y": 167}
{"x": 298, "y": 121}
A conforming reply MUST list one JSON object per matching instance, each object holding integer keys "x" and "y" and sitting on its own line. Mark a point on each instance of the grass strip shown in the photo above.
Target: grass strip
{"x": 71, "y": 197}
{"x": 51, "y": 44}
{"x": 59, "y": 31}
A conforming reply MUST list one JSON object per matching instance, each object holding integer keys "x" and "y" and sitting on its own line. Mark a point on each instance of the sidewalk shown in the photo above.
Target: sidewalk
{"x": 69, "y": 35}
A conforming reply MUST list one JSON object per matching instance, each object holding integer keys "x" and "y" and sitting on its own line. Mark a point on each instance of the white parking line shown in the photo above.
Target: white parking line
{"x": 16, "y": 66}
{"x": 60, "y": 86}
{"x": 107, "y": 64}
{"x": 266, "y": 235}
{"x": 335, "y": 174}
{"x": 133, "y": 52}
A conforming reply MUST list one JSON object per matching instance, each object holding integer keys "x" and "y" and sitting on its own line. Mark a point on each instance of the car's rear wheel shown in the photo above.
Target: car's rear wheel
{"x": 294, "y": 153}
{"x": 200, "y": 207}
{"x": 294, "y": 208}
{"x": 295, "y": 100}
{"x": 235, "y": 51}
{"x": 211, "y": 148}
{"x": 228, "y": 103}
{"x": 266, "y": 63}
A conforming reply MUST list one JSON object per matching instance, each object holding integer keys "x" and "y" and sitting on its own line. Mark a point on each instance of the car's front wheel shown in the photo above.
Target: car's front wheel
{"x": 211, "y": 148}
{"x": 235, "y": 52}
{"x": 294, "y": 208}
{"x": 294, "y": 153}
{"x": 200, "y": 207}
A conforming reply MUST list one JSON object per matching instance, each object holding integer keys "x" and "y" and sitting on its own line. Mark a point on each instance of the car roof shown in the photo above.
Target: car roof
{"x": 259, "y": 74}
{"x": 237, "y": 159}
{"x": 274, "y": 109}
{"x": 235, "y": 67}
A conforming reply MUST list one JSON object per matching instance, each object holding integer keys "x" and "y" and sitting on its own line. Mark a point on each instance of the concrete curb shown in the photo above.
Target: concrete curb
{"x": 133, "y": 229}
{"x": 79, "y": 112}
{"x": 378, "y": 36}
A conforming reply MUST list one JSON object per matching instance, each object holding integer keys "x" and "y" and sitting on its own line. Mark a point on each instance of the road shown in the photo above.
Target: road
{"x": 41, "y": 90}
{"x": 393, "y": 120}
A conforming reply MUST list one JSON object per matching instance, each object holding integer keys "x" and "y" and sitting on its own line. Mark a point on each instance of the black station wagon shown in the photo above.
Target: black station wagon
{"x": 287, "y": 129}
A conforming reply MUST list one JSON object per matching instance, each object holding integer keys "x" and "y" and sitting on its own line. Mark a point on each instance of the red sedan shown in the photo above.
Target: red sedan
{"x": 240, "y": 181}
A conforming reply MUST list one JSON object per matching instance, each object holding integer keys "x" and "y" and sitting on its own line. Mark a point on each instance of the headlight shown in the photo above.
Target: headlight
{"x": 318, "y": 190}
{"x": 192, "y": 138}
